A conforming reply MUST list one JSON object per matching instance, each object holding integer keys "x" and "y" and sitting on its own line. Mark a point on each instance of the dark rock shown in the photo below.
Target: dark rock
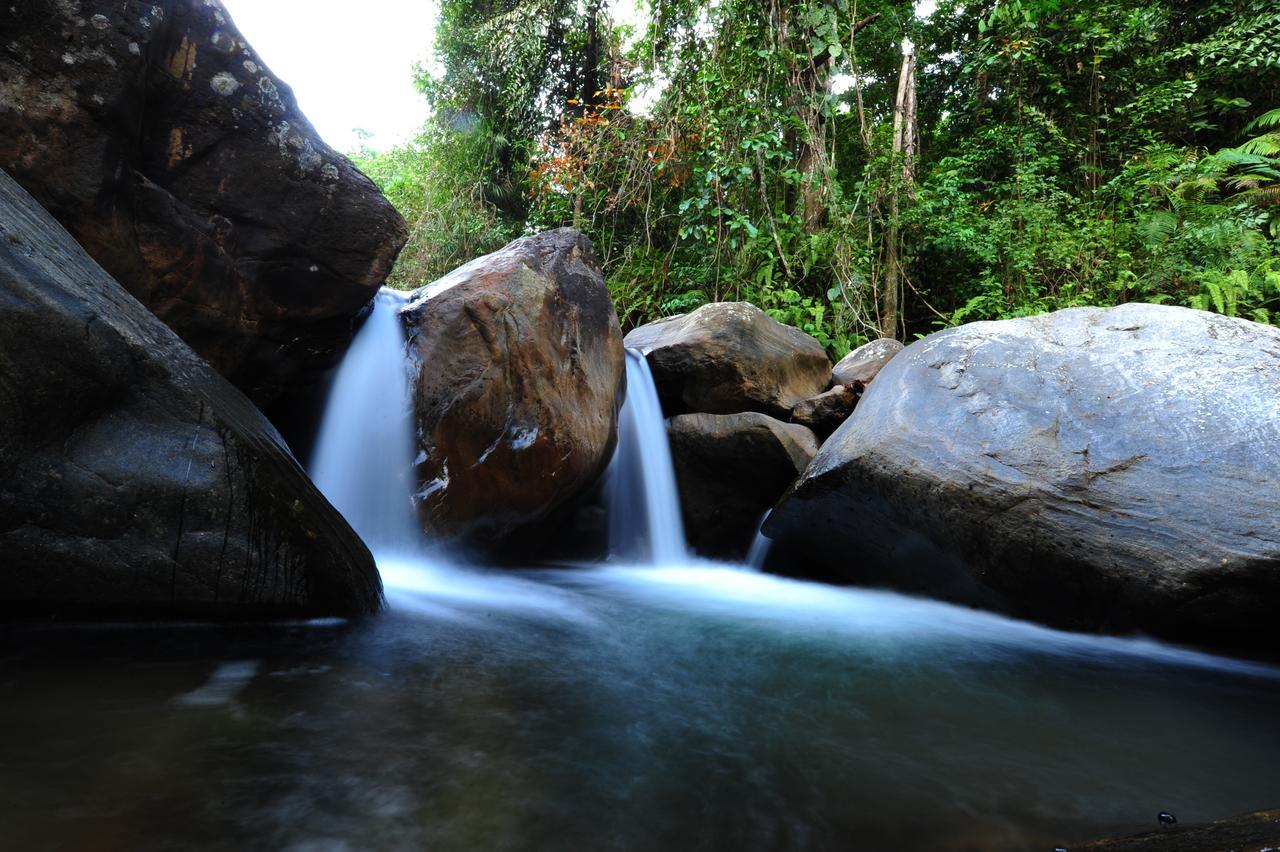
{"x": 519, "y": 376}
{"x": 135, "y": 480}
{"x": 183, "y": 166}
{"x": 825, "y": 412}
{"x": 1255, "y": 832}
{"x": 727, "y": 357}
{"x": 1101, "y": 469}
{"x": 730, "y": 469}
{"x": 863, "y": 364}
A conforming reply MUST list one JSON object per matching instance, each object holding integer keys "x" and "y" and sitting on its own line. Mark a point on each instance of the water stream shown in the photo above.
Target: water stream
{"x": 652, "y": 705}
{"x": 644, "y": 507}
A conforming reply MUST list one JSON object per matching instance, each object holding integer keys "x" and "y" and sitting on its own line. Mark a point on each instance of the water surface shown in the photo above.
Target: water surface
{"x": 701, "y": 707}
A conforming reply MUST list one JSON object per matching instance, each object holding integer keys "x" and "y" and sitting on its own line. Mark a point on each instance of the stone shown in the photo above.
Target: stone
{"x": 1259, "y": 830}
{"x": 863, "y": 364}
{"x": 518, "y": 372}
{"x": 730, "y": 469}
{"x": 1105, "y": 469}
{"x": 134, "y": 480}
{"x": 158, "y": 138}
{"x": 727, "y": 357}
{"x": 825, "y": 412}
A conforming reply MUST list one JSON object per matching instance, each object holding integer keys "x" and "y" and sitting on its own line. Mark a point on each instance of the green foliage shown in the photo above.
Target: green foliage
{"x": 1068, "y": 155}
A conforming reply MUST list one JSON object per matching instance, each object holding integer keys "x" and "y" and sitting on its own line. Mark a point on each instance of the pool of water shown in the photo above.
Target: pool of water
{"x": 690, "y": 708}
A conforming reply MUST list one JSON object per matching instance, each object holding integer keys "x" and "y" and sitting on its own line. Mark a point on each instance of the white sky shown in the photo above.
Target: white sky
{"x": 350, "y": 64}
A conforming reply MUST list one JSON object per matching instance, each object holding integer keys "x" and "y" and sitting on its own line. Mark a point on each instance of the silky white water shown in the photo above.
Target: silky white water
{"x": 644, "y": 506}
{"x": 362, "y": 456}
{"x": 759, "y": 550}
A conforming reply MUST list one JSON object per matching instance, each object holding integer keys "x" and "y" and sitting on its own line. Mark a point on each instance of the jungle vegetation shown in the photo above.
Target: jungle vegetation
{"x": 860, "y": 167}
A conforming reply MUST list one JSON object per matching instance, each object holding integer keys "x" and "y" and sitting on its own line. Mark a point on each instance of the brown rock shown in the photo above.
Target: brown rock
{"x": 727, "y": 357}
{"x": 519, "y": 374}
{"x": 863, "y": 364}
{"x": 135, "y": 480}
{"x": 825, "y": 412}
{"x": 161, "y": 141}
{"x": 1255, "y": 832}
{"x": 730, "y": 469}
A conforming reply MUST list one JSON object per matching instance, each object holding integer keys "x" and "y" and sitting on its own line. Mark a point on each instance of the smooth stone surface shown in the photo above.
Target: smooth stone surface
{"x": 1103, "y": 469}
{"x": 166, "y": 147}
{"x": 730, "y": 469}
{"x": 518, "y": 362}
{"x": 727, "y": 357}
{"x": 825, "y": 412}
{"x": 863, "y": 364}
{"x": 134, "y": 480}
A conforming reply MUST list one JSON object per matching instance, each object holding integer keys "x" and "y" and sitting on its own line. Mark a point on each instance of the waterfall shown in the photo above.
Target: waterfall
{"x": 361, "y": 459}
{"x": 759, "y": 551}
{"x": 644, "y": 507}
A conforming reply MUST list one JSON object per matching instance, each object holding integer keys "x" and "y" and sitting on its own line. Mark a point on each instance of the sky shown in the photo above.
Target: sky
{"x": 349, "y": 64}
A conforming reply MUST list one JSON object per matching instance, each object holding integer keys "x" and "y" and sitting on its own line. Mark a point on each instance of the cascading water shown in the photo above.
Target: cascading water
{"x": 361, "y": 460}
{"x": 759, "y": 550}
{"x": 644, "y": 506}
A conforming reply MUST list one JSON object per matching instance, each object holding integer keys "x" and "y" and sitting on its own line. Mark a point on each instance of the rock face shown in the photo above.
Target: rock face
{"x": 863, "y": 364}
{"x": 731, "y": 469}
{"x": 519, "y": 376}
{"x": 159, "y": 139}
{"x": 133, "y": 478}
{"x": 1109, "y": 469}
{"x": 825, "y": 412}
{"x": 727, "y": 357}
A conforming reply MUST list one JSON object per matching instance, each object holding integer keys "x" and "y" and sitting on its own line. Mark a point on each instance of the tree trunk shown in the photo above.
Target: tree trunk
{"x": 904, "y": 152}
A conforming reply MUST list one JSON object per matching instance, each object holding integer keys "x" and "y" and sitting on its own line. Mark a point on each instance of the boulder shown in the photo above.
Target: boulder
{"x": 135, "y": 480}
{"x": 863, "y": 364}
{"x": 518, "y": 366}
{"x": 825, "y": 412}
{"x": 1103, "y": 469}
{"x": 162, "y": 142}
{"x": 727, "y": 357}
{"x": 731, "y": 469}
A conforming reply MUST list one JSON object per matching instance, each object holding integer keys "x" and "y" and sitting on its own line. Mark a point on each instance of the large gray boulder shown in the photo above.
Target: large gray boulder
{"x": 134, "y": 480}
{"x": 518, "y": 378}
{"x": 730, "y": 469}
{"x": 727, "y": 357}
{"x": 160, "y": 139}
{"x": 1109, "y": 469}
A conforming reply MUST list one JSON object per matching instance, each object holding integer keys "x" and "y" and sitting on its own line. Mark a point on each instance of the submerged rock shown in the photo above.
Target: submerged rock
{"x": 518, "y": 366}
{"x": 731, "y": 469}
{"x": 727, "y": 357}
{"x": 135, "y": 480}
{"x": 161, "y": 141}
{"x": 863, "y": 364}
{"x": 1107, "y": 469}
{"x": 1255, "y": 831}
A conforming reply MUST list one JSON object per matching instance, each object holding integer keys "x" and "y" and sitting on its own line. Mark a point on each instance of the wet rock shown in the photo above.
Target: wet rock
{"x": 731, "y": 469}
{"x": 518, "y": 361}
{"x": 1103, "y": 469}
{"x": 134, "y": 480}
{"x": 727, "y": 357}
{"x": 155, "y": 134}
{"x": 825, "y": 412}
{"x": 863, "y": 364}
{"x": 1256, "y": 832}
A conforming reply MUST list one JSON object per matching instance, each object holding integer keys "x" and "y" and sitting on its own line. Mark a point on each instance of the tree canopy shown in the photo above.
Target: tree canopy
{"x": 1025, "y": 155}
